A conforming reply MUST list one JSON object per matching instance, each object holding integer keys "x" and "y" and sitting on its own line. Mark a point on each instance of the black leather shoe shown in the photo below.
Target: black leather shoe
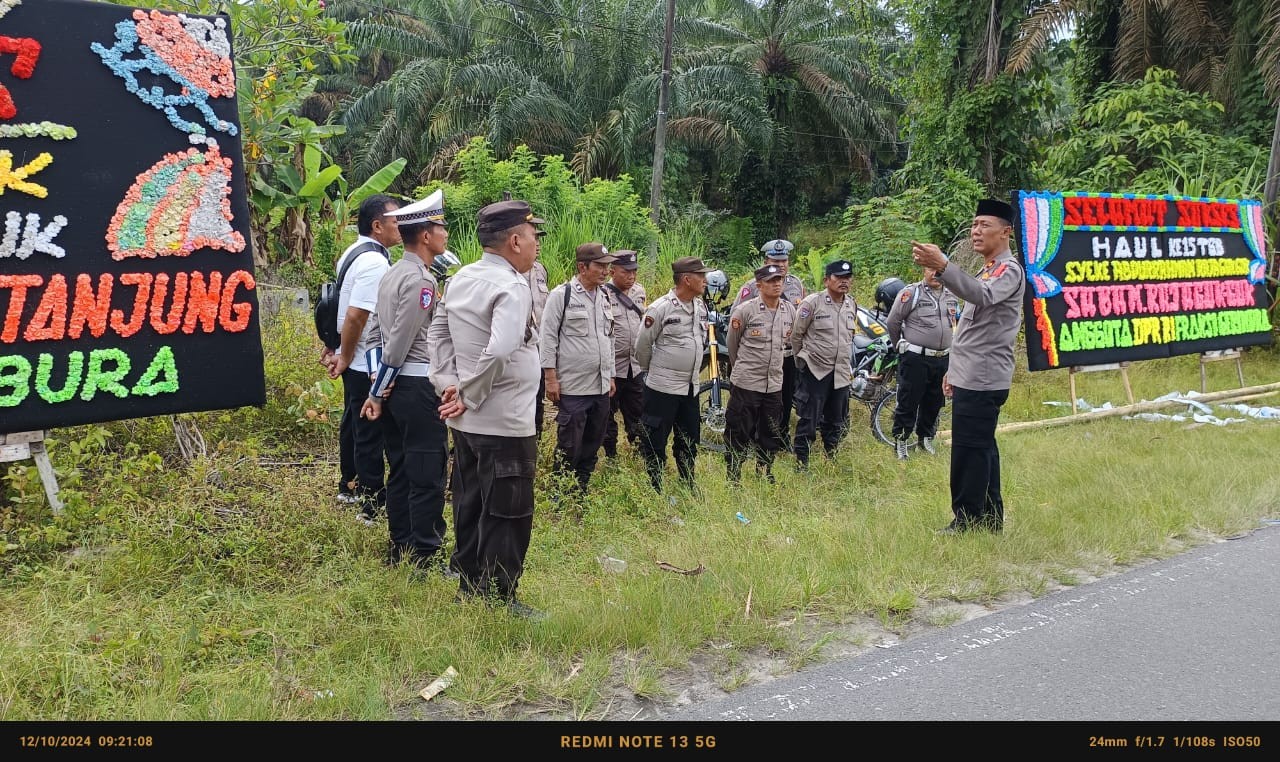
{"x": 954, "y": 527}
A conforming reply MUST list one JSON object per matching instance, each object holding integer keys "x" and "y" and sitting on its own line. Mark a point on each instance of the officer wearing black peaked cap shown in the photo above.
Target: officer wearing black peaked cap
{"x": 981, "y": 367}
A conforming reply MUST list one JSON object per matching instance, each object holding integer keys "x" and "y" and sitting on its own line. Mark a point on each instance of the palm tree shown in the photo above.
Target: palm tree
{"x": 806, "y": 65}
{"x": 1213, "y": 46}
{"x": 401, "y": 101}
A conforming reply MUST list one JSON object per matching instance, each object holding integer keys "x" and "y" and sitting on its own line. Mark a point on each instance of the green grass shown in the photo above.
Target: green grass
{"x": 235, "y": 589}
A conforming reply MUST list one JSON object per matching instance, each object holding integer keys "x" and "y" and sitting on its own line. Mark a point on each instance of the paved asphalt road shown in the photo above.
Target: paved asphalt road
{"x": 1191, "y": 638}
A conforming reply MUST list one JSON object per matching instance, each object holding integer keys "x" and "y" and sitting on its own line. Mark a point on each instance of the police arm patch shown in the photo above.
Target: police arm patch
{"x": 648, "y": 320}
{"x": 428, "y": 297}
{"x": 906, "y": 295}
{"x": 804, "y": 312}
{"x": 735, "y": 324}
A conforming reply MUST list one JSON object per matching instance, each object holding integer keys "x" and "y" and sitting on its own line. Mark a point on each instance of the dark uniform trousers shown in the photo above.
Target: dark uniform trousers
{"x": 418, "y": 450}
{"x": 580, "y": 426}
{"x": 492, "y": 510}
{"x": 752, "y": 429}
{"x": 628, "y": 397}
{"x": 920, "y": 397}
{"x": 788, "y": 400}
{"x": 360, "y": 444}
{"x": 975, "y": 458}
{"x": 662, "y": 413}
{"x": 823, "y": 408}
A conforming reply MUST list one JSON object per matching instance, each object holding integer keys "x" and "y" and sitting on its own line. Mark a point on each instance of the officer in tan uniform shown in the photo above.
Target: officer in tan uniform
{"x": 981, "y": 370}
{"x": 484, "y": 364}
{"x": 576, "y": 345}
{"x": 416, "y": 439}
{"x": 778, "y": 254}
{"x": 920, "y": 326}
{"x": 759, "y": 336}
{"x": 537, "y": 277}
{"x": 669, "y": 350}
{"x": 823, "y": 343}
{"x": 628, "y": 300}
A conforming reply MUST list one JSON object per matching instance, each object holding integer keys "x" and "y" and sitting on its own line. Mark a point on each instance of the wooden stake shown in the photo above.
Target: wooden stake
{"x": 1251, "y": 392}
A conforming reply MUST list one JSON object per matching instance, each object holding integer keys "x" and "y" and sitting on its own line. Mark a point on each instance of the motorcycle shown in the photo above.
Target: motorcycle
{"x": 715, "y": 358}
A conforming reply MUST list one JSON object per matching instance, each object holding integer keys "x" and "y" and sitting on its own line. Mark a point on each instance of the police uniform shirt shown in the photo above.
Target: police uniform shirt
{"x": 672, "y": 340}
{"x": 823, "y": 336}
{"x": 488, "y": 349}
{"x": 758, "y": 340}
{"x": 407, "y": 297}
{"x": 626, "y": 329}
{"x": 576, "y": 339}
{"x": 537, "y": 279}
{"x": 982, "y": 348}
{"x": 924, "y": 316}
{"x": 360, "y": 290}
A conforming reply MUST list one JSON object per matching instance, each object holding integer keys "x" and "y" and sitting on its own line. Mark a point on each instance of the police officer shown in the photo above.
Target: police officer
{"x": 981, "y": 369}
{"x": 537, "y": 278}
{"x": 759, "y": 336}
{"x": 576, "y": 345}
{"x": 778, "y": 254}
{"x": 417, "y": 441}
{"x": 920, "y": 326}
{"x": 484, "y": 364}
{"x": 823, "y": 343}
{"x": 628, "y": 301}
{"x": 669, "y": 350}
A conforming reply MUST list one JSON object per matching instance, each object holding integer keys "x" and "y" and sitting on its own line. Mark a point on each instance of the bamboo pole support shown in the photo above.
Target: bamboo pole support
{"x": 1249, "y": 392}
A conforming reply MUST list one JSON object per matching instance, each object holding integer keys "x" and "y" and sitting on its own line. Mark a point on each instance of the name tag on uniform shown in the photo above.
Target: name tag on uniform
{"x": 671, "y": 321}
{"x": 823, "y": 316}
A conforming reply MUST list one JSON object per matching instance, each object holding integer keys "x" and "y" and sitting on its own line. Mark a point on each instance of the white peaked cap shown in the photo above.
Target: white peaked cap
{"x": 429, "y": 209}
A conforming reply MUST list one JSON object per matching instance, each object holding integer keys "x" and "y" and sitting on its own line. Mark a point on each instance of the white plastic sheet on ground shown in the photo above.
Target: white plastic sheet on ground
{"x": 1196, "y": 411}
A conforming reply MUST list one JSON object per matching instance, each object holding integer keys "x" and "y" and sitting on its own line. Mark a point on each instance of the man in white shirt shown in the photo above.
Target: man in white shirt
{"x": 360, "y": 443}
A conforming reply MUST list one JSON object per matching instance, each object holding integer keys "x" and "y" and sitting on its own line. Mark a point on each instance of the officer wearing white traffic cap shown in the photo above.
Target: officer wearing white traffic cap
{"x": 823, "y": 344}
{"x": 417, "y": 441}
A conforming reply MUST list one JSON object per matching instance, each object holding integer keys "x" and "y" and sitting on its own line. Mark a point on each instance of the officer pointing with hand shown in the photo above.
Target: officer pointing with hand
{"x": 981, "y": 369}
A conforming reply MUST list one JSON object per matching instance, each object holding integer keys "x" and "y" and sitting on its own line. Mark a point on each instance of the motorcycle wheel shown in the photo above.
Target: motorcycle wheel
{"x": 884, "y": 410}
{"x": 711, "y": 435}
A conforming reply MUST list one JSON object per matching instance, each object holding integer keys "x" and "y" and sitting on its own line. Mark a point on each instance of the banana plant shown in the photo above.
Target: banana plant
{"x": 308, "y": 191}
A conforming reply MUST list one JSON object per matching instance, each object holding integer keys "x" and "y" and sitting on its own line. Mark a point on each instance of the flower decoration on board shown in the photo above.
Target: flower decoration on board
{"x": 17, "y": 178}
{"x": 26, "y": 52}
{"x": 179, "y": 205}
{"x": 1256, "y": 239}
{"x": 1048, "y": 341}
{"x": 1042, "y": 236}
{"x": 193, "y": 54}
{"x": 38, "y": 130}
{"x": 32, "y": 237}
